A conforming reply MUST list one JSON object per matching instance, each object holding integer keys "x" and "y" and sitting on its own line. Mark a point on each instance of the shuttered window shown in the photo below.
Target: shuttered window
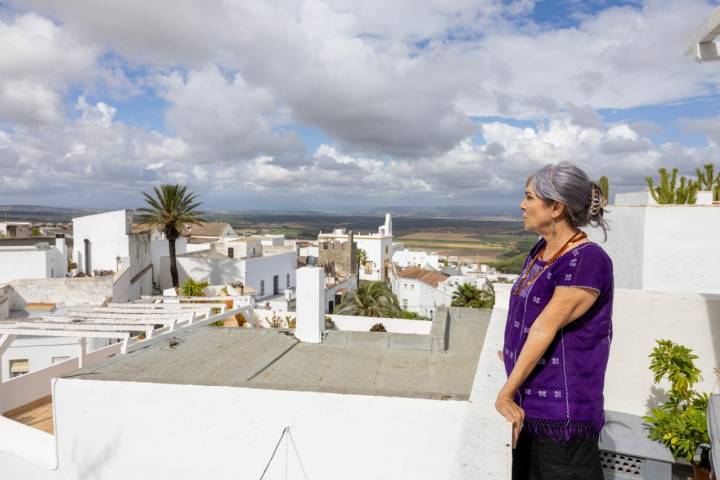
{"x": 19, "y": 367}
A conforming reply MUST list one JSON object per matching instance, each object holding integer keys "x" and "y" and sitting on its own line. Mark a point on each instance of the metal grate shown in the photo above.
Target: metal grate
{"x": 622, "y": 466}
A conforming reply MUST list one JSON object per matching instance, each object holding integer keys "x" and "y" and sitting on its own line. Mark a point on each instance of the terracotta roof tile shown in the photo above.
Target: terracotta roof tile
{"x": 426, "y": 276}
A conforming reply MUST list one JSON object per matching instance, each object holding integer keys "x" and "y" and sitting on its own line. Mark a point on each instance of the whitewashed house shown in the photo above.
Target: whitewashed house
{"x": 418, "y": 290}
{"x": 15, "y": 229}
{"x": 377, "y": 247}
{"x": 38, "y": 261}
{"x": 105, "y": 244}
{"x": 242, "y": 261}
{"x": 416, "y": 258}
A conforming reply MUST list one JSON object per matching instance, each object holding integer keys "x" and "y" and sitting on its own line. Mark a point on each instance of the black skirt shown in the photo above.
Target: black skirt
{"x": 547, "y": 459}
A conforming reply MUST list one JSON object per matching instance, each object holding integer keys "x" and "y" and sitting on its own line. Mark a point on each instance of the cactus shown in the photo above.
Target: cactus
{"x": 668, "y": 192}
{"x": 687, "y": 192}
{"x": 665, "y": 192}
{"x": 604, "y": 187}
{"x": 707, "y": 179}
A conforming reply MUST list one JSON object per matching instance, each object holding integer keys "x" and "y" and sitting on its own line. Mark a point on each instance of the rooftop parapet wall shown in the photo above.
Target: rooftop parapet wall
{"x": 66, "y": 291}
{"x": 669, "y": 248}
{"x": 640, "y": 318}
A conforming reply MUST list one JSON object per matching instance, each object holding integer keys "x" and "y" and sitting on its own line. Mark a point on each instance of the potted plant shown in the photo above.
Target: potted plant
{"x": 681, "y": 422}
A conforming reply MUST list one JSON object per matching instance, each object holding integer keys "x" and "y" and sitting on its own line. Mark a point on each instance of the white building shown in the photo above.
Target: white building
{"x": 377, "y": 247}
{"x": 209, "y": 232}
{"x": 416, "y": 258}
{"x": 104, "y": 244}
{"x": 38, "y": 261}
{"x": 237, "y": 262}
{"x": 15, "y": 229}
{"x": 418, "y": 290}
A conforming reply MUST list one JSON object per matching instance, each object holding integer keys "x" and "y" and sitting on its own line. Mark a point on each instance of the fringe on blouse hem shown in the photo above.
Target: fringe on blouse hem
{"x": 564, "y": 430}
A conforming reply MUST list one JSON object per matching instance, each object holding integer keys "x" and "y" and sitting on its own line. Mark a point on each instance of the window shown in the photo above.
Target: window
{"x": 386, "y": 249}
{"x": 59, "y": 359}
{"x": 404, "y": 303}
{"x": 287, "y": 280}
{"x": 262, "y": 287}
{"x": 19, "y": 367}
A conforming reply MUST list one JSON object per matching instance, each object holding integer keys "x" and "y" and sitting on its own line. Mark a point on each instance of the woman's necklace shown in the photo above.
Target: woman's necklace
{"x": 528, "y": 278}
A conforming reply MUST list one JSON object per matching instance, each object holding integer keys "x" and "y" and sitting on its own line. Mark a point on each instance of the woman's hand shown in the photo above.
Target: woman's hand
{"x": 506, "y": 406}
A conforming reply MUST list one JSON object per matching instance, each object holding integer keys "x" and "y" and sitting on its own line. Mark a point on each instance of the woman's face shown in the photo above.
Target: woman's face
{"x": 537, "y": 214}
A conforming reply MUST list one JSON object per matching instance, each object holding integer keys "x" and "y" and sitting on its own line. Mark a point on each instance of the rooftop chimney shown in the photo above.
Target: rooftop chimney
{"x": 60, "y": 244}
{"x": 310, "y": 304}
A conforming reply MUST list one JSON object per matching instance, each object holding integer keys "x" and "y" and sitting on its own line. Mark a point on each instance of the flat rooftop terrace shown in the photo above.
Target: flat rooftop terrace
{"x": 363, "y": 363}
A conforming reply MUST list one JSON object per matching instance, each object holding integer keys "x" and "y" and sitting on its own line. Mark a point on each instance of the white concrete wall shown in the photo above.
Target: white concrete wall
{"x": 128, "y": 287}
{"x": 27, "y": 388}
{"x": 23, "y": 262}
{"x": 159, "y": 248}
{"x": 263, "y": 268}
{"x": 642, "y": 317}
{"x": 484, "y": 448}
{"x": 664, "y": 247}
{"x": 393, "y": 325}
{"x": 216, "y": 272}
{"x": 65, "y": 291}
{"x": 337, "y": 436}
{"x": 39, "y": 351}
{"x": 108, "y": 234}
{"x": 197, "y": 247}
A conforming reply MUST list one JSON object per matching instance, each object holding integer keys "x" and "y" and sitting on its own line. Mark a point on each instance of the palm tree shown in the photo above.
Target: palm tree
{"x": 467, "y": 295}
{"x": 169, "y": 210}
{"x": 374, "y": 299}
{"x": 361, "y": 259}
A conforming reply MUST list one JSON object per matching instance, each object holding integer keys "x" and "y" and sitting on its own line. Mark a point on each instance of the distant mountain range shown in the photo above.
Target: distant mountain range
{"x": 65, "y": 214}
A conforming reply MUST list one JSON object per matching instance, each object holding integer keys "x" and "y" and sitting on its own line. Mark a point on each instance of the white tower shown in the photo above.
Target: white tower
{"x": 386, "y": 229}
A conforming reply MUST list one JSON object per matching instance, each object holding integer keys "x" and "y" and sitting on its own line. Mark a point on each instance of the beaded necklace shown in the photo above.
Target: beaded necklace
{"x": 527, "y": 279}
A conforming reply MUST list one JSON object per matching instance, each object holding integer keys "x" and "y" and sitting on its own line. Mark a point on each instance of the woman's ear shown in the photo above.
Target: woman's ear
{"x": 558, "y": 209}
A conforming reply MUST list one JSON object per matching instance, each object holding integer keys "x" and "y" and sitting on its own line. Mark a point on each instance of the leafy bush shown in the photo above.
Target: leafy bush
{"x": 680, "y": 423}
{"x": 193, "y": 288}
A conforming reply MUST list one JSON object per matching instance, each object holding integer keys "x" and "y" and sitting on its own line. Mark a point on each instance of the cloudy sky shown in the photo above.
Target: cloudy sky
{"x": 345, "y": 104}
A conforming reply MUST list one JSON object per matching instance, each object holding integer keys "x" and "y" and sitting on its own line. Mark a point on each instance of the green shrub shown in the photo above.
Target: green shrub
{"x": 681, "y": 422}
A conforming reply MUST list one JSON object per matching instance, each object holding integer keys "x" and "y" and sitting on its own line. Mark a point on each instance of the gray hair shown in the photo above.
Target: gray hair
{"x": 568, "y": 184}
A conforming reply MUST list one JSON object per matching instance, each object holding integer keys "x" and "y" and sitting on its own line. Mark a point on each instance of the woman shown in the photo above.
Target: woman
{"x": 558, "y": 332}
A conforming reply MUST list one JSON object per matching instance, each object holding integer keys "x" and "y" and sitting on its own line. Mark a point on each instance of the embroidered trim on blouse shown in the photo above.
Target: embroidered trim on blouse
{"x": 579, "y": 286}
{"x": 565, "y": 429}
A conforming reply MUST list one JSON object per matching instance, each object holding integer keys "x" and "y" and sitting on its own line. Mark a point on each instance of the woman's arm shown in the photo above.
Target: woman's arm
{"x": 566, "y": 305}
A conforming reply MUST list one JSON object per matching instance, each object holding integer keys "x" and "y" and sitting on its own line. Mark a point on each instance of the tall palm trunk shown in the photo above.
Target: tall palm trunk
{"x": 173, "y": 263}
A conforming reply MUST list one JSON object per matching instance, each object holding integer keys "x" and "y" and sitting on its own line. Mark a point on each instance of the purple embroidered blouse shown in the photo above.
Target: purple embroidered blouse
{"x": 563, "y": 396}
